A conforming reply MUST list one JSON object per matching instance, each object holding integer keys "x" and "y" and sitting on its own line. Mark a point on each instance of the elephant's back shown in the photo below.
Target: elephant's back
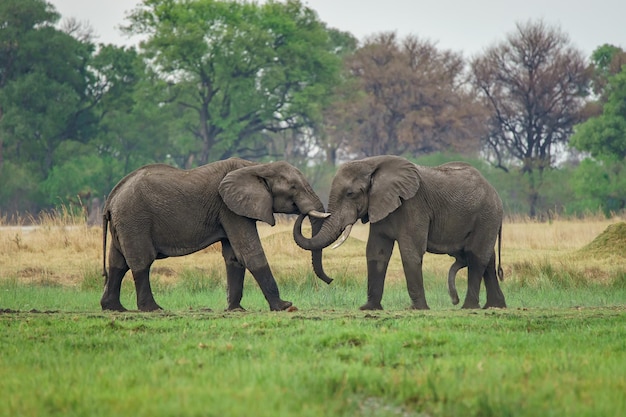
{"x": 134, "y": 179}
{"x": 461, "y": 188}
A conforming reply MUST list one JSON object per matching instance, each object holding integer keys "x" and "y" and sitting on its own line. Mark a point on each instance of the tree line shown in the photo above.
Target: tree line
{"x": 213, "y": 79}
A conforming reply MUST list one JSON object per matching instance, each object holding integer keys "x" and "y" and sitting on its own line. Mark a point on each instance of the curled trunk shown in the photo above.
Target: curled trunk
{"x": 316, "y": 255}
{"x": 313, "y": 207}
{"x": 329, "y": 231}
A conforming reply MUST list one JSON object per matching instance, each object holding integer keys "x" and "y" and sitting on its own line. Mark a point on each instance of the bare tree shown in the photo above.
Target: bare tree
{"x": 534, "y": 84}
{"x": 415, "y": 99}
{"x": 80, "y": 30}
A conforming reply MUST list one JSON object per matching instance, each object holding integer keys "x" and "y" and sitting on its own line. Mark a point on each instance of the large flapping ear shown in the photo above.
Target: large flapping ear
{"x": 393, "y": 180}
{"x": 246, "y": 193}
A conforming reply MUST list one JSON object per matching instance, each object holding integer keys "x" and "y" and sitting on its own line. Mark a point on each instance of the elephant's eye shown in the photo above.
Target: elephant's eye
{"x": 350, "y": 193}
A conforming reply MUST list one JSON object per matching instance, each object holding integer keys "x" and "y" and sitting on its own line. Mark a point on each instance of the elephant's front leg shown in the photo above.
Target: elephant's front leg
{"x": 235, "y": 272}
{"x": 378, "y": 252}
{"x": 412, "y": 256}
{"x": 263, "y": 275}
{"x": 246, "y": 246}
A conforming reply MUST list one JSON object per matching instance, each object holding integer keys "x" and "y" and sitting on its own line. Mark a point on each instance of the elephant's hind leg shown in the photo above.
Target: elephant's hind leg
{"x": 235, "y": 273}
{"x": 495, "y": 297}
{"x": 113, "y": 282}
{"x": 145, "y": 299}
{"x": 475, "y": 271}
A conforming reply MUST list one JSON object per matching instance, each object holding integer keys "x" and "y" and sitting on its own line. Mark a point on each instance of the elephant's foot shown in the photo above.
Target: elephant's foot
{"x": 371, "y": 306}
{"x": 501, "y": 304}
{"x": 495, "y": 300}
{"x": 235, "y": 307}
{"x": 150, "y": 306}
{"x": 280, "y": 305}
{"x": 470, "y": 305}
{"x": 112, "y": 306}
{"x": 119, "y": 308}
{"x": 419, "y": 306}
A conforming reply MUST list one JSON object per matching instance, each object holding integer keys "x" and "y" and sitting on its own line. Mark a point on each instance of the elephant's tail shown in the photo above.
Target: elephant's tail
{"x": 500, "y": 270}
{"x": 105, "y": 228}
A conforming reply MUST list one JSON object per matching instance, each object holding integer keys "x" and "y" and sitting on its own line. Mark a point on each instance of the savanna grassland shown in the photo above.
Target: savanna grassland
{"x": 558, "y": 349}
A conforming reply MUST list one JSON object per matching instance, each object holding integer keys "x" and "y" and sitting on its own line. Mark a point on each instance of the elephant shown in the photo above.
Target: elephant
{"x": 448, "y": 209}
{"x": 159, "y": 211}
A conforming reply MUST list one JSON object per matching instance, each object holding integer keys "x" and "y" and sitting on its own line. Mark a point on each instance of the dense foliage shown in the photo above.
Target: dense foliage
{"x": 218, "y": 78}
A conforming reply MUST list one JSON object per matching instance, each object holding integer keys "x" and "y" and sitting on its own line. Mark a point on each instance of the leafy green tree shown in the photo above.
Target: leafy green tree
{"x": 237, "y": 69}
{"x": 19, "y": 189}
{"x": 133, "y": 128}
{"x": 599, "y": 185}
{"x": 18, "y": 20}
{"x": 48, "y": 101}
{"x": 603, "y": 176}
{"x": 607, "y": 60}
{"x": 72, "y": 116}
{"x": 45, "y": 97}
{"x": 605, "y": 135}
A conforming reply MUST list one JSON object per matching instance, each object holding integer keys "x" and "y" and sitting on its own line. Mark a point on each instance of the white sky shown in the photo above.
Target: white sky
{"x": 467, "y": 26}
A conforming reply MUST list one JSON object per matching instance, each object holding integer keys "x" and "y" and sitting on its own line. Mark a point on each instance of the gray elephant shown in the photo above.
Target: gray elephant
{"x": 449, "y": 209}
{"x": 160, "y": 211}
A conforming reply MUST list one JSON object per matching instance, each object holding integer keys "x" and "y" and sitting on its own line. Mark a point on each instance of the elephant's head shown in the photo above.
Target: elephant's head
{"x": 368, "y": 189}
{"x": 259, "y": 191}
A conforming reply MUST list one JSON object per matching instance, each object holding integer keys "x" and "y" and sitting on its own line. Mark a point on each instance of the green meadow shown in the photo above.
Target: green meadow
{"x": 559, "y": 349}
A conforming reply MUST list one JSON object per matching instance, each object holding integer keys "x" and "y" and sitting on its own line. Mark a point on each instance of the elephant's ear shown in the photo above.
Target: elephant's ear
{"x": 393, "y": 180}
{"x": 247, "y": 194}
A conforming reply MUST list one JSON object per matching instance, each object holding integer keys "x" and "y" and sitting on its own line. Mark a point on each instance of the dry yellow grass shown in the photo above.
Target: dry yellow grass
{"x": 558, "y": 244}
{"x": 65, "y": 252}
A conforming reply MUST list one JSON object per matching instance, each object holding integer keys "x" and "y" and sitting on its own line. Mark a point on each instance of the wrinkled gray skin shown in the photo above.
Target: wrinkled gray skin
{"x": 160, "y": 211}
{"x": 450, "y": 209}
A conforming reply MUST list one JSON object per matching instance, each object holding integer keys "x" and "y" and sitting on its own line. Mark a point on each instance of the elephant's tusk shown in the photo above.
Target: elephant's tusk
{"x": 318, "y": 214}
{"x": 343, "y": 237}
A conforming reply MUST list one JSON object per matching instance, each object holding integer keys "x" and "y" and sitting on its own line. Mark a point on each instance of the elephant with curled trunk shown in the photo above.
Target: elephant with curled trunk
{"x": 449, "y": 209}
{"x": 160, "y": 211}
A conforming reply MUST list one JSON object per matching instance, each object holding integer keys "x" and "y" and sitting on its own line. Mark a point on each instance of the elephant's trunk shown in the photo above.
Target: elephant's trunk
{"x": 328, "y": 233}
{"x": 314, "y": 208}
{"x": 316, "y": 255}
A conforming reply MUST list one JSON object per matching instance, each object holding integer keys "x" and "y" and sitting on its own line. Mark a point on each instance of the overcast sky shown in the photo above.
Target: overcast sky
{"x": 467, "y": 26}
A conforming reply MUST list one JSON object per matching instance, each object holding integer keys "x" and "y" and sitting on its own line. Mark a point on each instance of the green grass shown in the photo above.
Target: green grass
{"x": 193, "y": 290}
{"x": 557, "y": 350}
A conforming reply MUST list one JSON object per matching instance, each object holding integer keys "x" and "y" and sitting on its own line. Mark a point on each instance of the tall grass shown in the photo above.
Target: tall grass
{"x": 62, "y": 250}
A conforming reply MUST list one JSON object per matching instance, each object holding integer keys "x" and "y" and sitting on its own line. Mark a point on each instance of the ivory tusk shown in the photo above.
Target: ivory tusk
{"x": 343, "y": 237}
{"x": 318, "y": 214}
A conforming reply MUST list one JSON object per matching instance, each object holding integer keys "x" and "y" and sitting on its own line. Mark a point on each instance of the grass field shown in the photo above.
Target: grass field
{"x": 559, "y": 349}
